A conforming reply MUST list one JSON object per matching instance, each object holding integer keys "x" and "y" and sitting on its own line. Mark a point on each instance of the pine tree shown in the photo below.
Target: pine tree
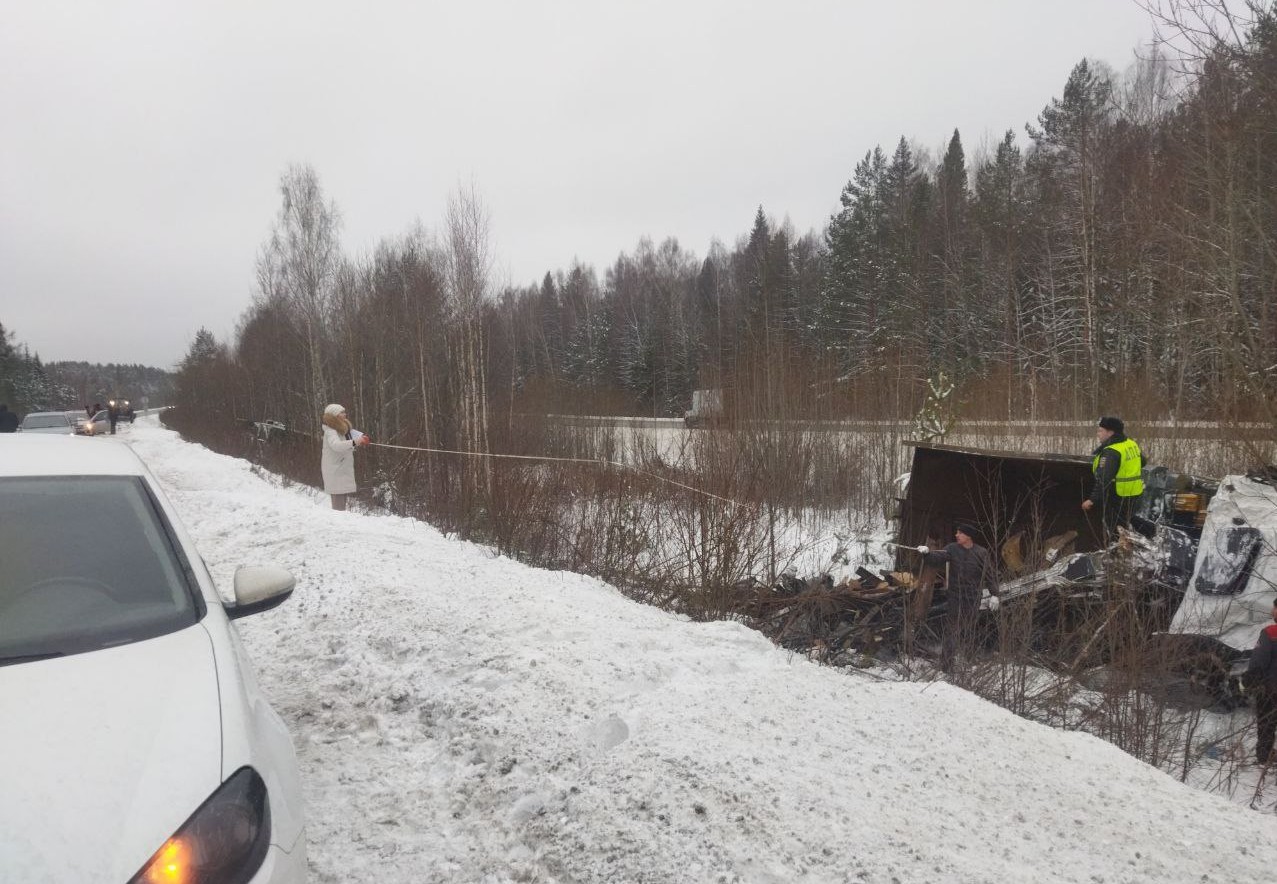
{"x": 914, "y": 317}
{"x": 936, "y": 417}
{"x": 1001, "y": 210}
{"x": 8, "y": 369}
{"x": 1069, "y": 145}
{"x": 967, "y": 316}
{"x": 196, "y": 373}
{"x": 852, "y": 312}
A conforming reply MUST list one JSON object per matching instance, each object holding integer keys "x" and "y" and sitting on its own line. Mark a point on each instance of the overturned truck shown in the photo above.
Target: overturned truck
{"x": 1189, "y": 586}
{"x": 1198, "y": 567}
{"x": 1029, "y": 506}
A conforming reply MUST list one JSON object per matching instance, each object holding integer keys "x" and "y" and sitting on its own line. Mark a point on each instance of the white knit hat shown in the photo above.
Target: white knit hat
{"x": 333, "y": 409}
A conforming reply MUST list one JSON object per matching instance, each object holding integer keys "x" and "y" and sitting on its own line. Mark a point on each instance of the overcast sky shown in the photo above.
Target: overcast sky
{"x": 141, "y": 143}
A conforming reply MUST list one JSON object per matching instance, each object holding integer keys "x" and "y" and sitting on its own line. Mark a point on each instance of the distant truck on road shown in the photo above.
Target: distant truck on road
{"x": 707, "y": 408}
{"x": 123, "y": 409}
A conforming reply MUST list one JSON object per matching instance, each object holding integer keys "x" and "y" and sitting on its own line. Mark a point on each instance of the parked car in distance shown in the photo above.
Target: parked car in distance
{"x": 90, "y": 426}
{"x": 48, "y": 422}
{"x": 136, "y": 745}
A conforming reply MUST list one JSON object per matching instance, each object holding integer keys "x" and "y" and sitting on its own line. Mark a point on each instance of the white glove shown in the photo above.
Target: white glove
{"x": 923, "y": 549}
{"x": 994, "y": 603}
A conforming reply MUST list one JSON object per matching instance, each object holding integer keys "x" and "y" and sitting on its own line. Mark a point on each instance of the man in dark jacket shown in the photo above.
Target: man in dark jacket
{"x": 971, "y": 571}
{"x": 8, "y": 420}
{"x": 1261, "y": 679}
{"x": 1118, "y": 465}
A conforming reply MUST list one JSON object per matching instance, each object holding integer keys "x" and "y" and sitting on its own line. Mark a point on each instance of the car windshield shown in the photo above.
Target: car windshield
{"x": 41, "y": 421}
{"x": 86, "y": 562}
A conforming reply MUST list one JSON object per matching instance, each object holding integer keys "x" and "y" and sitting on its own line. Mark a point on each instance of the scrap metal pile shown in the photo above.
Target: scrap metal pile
{"x": 882, "y": 614}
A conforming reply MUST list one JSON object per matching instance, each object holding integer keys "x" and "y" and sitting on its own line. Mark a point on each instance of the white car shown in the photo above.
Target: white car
{"x": 56, "y": 423}
{"x": 97, "y": 425}
{"x": 135, "y": 745}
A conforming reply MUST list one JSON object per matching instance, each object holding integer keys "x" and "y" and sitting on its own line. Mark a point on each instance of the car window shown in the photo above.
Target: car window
{"x": 86, "y": 562}
{"x": 40, "y": 421}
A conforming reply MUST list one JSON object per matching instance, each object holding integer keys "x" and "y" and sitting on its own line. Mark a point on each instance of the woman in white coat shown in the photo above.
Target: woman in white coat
{"x": 337, "y": 461}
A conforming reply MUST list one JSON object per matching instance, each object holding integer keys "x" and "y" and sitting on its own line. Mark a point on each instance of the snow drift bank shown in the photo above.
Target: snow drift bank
{"x": 461, "y": 717}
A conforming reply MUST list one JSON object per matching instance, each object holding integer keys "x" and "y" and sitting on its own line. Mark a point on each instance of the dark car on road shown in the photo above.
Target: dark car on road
{"x": 123, "y": 409}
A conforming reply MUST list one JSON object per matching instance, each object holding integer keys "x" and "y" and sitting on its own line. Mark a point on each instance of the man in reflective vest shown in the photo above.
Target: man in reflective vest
{"x": 1118, "y": 466}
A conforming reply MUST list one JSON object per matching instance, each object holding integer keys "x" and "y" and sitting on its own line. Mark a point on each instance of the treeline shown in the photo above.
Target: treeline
{"x": 1120, "y": 256}
{"x": 92, "y": 382}
{"x": 28, "y": 384}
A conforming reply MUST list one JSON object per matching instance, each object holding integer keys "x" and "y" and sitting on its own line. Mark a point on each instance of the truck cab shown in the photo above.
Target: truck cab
{"x": 707, "y": 409}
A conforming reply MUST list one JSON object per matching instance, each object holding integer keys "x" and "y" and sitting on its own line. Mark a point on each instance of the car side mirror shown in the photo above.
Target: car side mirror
{"x": 259, "y": 588}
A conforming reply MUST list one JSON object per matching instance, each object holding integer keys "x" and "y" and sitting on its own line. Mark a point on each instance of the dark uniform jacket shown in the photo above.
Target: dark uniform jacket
{"x": 1262, "y": 671}
{"x": 970, "y": 570}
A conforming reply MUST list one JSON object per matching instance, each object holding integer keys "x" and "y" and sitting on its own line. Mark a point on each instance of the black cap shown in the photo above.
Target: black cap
{"x": 966, "y": 528}
{"x": 1113, "y": 423}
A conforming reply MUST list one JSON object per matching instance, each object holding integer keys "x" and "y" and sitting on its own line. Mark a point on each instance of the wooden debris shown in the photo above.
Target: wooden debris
{"x": 821, "y": 619}
{"x": 1013, "y": 553}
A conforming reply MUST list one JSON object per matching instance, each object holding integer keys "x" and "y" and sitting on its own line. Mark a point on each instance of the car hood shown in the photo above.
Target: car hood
{"x": 104, "y": 755}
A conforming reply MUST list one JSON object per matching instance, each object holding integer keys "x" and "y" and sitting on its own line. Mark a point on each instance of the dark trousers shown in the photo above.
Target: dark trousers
{"x": 1116, "y": 511}
{"x": 961, "y": 613}
{"x": 1265, "y": 721}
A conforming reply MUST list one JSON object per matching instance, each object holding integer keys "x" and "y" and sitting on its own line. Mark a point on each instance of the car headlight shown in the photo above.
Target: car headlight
{"x": 224, "y": 841}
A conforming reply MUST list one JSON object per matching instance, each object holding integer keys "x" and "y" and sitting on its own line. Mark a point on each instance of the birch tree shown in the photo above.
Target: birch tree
{"x": 297, "y": 269}
{"x": 468, "y": 262}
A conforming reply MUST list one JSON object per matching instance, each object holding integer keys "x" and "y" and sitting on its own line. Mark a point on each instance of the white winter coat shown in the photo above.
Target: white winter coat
{"x": 337, "y": 463}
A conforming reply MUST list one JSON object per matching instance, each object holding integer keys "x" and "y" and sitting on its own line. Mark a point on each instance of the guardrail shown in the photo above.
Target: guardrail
{"x": 1151, "y": 429}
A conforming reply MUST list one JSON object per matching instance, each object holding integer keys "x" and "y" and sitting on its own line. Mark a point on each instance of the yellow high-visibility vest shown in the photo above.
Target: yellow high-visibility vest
{"x": 1129, "y": 481}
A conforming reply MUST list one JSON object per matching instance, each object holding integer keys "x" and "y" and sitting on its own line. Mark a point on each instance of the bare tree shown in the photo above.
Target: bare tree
{"x": 297, "y": 268}
{"x": 1197, "y": 30}
{"x": 468, "y": 259}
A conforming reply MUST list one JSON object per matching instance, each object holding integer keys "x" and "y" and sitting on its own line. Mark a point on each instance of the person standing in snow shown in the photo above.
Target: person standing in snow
{"x": 1118, "y": 466}
{"x": 337, "y": 460}
{"x": 1261, "y": 679}
{"x": 971, "y": 571}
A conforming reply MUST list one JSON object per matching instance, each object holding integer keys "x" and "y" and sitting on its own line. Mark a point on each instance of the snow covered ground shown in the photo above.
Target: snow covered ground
{"x": 463, "y": 718}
